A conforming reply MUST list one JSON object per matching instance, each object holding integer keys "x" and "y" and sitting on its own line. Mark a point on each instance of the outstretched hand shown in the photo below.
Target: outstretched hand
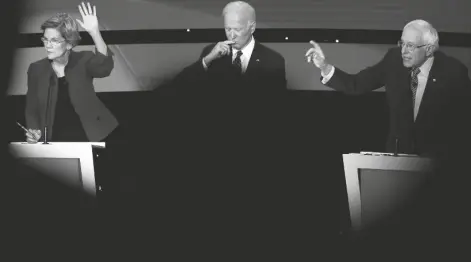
{"x": 90, "y": 20}
{"x": 315, "y": 55}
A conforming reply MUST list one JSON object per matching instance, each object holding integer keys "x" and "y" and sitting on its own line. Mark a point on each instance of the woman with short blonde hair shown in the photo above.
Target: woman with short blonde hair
{"x": 61, "y": 99}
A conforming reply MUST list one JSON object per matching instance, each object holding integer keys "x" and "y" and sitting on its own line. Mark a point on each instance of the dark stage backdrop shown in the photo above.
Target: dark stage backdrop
{"x": 155, "y": 44}
{"x": 325, "y": 125}
{"x": 152, "y": 43}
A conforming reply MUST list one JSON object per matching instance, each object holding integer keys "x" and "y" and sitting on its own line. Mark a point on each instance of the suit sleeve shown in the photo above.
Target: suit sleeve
{"x": 368, "y": 79}
{"x": 281, "y": 83}
{"x": 193, "y": 75}
{"x": 461, "y": 129}
{"x": 100, "y": 65}
{"x": 274, "y": 77}
{"x": 197, "y": 70}
{"x": 31, "y": 108}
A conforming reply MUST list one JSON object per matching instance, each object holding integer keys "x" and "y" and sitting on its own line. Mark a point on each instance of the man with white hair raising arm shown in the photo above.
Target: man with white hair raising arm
{"x": 428, "y": 92}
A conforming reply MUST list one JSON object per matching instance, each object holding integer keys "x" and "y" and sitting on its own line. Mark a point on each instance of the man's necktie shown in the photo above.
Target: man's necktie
{"x": 237, "y": 62}
{"x": 413, "y": 84}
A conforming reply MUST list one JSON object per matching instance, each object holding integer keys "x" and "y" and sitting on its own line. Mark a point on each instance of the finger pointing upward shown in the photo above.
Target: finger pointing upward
{"x": 314, "y": 44}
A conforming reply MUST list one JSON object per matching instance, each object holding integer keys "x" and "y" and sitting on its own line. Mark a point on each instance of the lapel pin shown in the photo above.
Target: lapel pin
{"x": 434, "y": 80}
{"x": 258, "y": 60}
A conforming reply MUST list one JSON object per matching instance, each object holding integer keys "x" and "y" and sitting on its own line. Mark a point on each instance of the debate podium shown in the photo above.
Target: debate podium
{"x": 70, "y": 163}
{"x": 379, "y": 185}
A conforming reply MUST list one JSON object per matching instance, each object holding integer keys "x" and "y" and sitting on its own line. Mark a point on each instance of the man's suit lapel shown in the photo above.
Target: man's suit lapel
{"x": 404, "y": 82}
{"x": 225, "y": 65}
{"x": 432, "y": 86}
{"x": 255, "y": 60}
{"x": 227, "y": 60}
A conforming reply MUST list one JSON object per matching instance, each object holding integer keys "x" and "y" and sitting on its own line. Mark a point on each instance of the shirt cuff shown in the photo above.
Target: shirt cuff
{"x": 326, "y": 78}
{"x": 108, "y": 52}
{"x": 204, "y": 64}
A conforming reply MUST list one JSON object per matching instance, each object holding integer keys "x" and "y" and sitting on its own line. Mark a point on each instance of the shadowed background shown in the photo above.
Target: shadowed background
{"x": 324, "y": 124}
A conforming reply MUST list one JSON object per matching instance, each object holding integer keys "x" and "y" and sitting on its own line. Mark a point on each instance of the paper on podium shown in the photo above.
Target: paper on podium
{"x": 384, "y": 154}
{"x": 93, "y": 144}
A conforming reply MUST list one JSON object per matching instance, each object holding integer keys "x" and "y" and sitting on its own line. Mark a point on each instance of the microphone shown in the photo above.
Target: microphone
{"x": 396, "y": 146}
{"x": 396, "y": 133}
{"x": 48, "y": 102}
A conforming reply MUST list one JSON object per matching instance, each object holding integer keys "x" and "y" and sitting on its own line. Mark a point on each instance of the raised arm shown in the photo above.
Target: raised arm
{"x": 368, "y": 79}
{"x": 90, "y": 24}
{"x": 102, "y": 63}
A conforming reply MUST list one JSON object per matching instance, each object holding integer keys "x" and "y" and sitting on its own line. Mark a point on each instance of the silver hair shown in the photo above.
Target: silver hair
{"x": 239, "y": 6}
{"x": 429, "y": 33}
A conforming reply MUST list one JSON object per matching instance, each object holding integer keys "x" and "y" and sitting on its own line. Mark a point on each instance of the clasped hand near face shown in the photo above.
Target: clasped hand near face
{"x": 219, "y": 50}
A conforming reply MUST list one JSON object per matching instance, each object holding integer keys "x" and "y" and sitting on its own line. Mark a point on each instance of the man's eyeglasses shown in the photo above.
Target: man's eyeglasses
{"x": 409, "y": 46}
{"x": 52, "y": 41}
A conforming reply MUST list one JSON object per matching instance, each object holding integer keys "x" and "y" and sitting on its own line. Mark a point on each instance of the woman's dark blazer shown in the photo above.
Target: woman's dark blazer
{"x": 80, "y": 71}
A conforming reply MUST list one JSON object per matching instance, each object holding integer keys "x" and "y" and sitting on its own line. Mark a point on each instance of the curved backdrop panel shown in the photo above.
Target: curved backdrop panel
{"x": 148, "y": 52}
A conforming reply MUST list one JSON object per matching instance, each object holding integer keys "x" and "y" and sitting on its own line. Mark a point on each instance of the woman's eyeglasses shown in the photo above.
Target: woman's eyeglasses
{"x": 52, "y": 41}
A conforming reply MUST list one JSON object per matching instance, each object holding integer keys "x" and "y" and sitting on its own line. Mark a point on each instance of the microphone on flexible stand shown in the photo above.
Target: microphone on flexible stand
{"x": 396, "y": 132}
{"x": 396, "y": 146}
{"x": 45, "y": 140}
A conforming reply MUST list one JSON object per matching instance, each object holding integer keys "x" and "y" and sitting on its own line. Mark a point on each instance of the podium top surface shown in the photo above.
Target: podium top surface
{"x": 67, "y": 144}
{"x": 366, "y": 153}
{"x": 387, "y": 161}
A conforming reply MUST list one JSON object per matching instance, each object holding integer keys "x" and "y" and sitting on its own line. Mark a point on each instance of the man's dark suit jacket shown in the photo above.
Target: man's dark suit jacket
{"x": 225, "y": 134}
{"x": 441, "y": 131}
{"x": 229, "y": 110}
{"x": 80, "y": 71}
{"x": 441, "y": 125}
{"x": 219, "y": 97}
{"x": 265, "y": 74}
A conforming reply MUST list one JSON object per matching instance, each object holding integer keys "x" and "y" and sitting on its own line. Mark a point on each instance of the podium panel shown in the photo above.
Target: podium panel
{"x": 68, "y": 163}
{"x": 380, "y": 186}
{"x": 385, "y": 192}
{"x": 64, "y": 170}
